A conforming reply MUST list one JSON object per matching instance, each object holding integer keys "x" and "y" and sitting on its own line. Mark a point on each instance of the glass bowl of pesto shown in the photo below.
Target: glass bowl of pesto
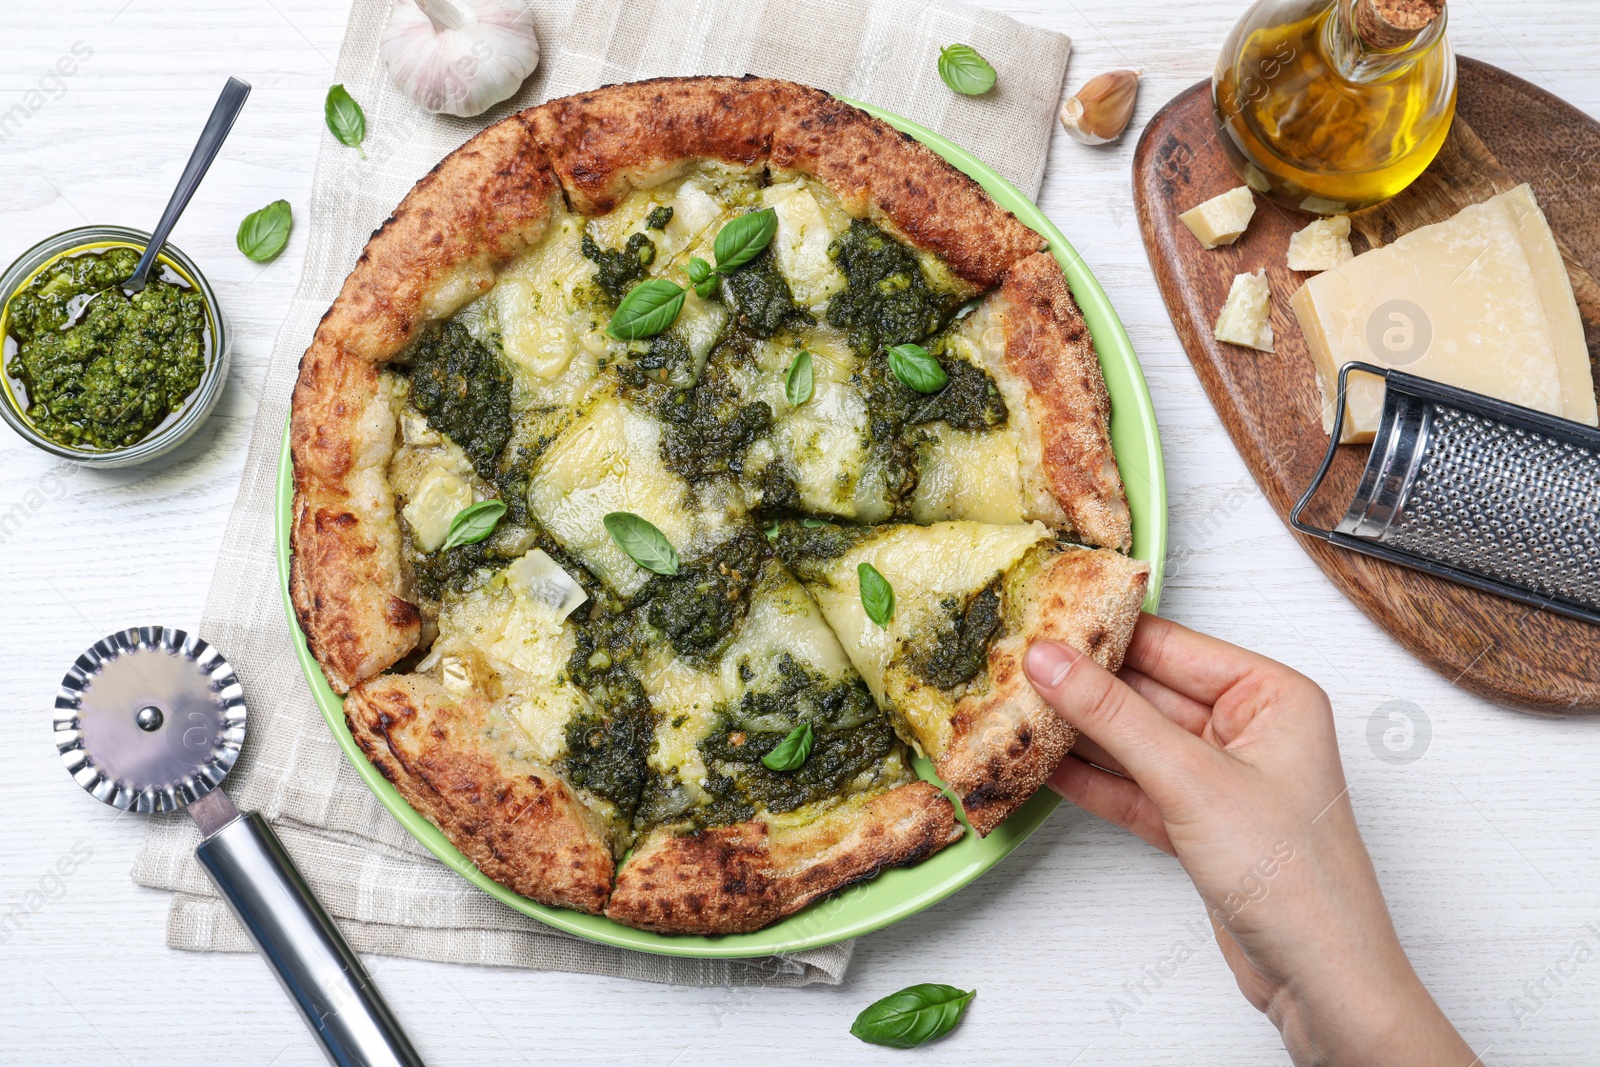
{"x": 98, "y": 377}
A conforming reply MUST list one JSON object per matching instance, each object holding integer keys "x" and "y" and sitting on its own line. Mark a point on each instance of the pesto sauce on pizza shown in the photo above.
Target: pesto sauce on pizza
{"x": 706, "y": 386}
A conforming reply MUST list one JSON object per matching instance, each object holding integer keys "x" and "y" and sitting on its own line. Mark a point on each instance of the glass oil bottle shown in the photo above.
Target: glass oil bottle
{"x": 1333, "y": 105}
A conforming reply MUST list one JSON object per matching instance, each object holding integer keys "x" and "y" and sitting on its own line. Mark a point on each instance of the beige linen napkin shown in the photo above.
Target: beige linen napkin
{"x": 388, "y": 893}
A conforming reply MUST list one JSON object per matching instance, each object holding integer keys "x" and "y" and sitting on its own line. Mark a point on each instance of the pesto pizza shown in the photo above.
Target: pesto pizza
{"x": 679, "y": 463}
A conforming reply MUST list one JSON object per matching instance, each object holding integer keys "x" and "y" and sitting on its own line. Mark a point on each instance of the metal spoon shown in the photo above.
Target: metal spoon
{"x": 205, "y": 150}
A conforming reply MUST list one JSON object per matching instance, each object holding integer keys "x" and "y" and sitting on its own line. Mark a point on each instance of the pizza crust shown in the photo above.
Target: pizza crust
{"x": 516, "y": 821}
{"x": 1005, "y": 741}
{"x": 733, "y": 879}
{"x": 344, "y": 577}
{"x": 1049, "y": 349}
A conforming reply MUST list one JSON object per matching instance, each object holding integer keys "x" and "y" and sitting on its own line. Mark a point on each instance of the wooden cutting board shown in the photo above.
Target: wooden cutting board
{"x": 1506, "y": 131}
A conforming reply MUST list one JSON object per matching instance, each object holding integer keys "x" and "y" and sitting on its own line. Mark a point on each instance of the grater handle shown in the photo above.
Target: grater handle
{"x": 323, "y": 977}
{"x": 1333, "y": 450}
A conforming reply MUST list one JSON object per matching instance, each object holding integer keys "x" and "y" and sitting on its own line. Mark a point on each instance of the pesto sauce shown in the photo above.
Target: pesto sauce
{"x": 606, "y": 754}
{"x": 886, "y": 300}
{"x": 762, "y": 299}
{"x": 960, "y": 645}
{"x": 807, "y": 550}
{"x": 464, "y": 389}
{"x": 971, "y": 401}
{"x": 608, "y": 749}
{"x": 619, "y": 269}
{"x": 103, "y": 371}
{"x": 850, "y": 737}
{"x": 707, "y": 429}
{"x": 699, "y": 609}
{"x": 896, "y": 414}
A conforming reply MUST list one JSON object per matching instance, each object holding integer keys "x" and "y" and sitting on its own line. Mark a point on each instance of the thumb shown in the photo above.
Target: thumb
{"x": 1152, "y": 747}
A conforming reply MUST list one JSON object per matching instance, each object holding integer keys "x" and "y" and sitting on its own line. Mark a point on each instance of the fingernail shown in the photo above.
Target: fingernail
{"x": 1048, "y": 662}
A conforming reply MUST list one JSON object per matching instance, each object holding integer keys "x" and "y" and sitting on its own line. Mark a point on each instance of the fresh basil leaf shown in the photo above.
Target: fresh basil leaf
{"x": 698, "y": 269}
{"x": 914, "y": 1016}
{"x": 791, "y": 751}
{"x": 965, "y": 71}
{"x": 473, "y": 523}
{"x": 345, "y": 118}
{"x": 644, "y": 544}
{"x": 877, "y": 595}
{"x": 264, "y": 234}
{"x": 799, "y": 382}
{"x": 705, "y": 287}
{"x": 916, "y": 369}
{"x": 743, "y": 239}
{"x": 650, "y": 307}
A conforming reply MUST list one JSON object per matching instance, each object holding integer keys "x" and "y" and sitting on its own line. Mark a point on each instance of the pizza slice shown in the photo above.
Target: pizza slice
{"x": 937, "y": 619}
{"x": 773, "y": 778}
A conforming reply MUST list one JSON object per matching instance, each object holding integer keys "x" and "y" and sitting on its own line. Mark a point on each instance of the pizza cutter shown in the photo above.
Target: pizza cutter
{"x": 150, "y": 720}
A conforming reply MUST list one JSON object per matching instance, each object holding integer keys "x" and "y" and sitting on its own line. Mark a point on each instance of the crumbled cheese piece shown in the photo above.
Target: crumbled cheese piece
{"x": 1322, "y": 245}
{"x": 1246, "y": 317}
{"x": 1220, "y": 220}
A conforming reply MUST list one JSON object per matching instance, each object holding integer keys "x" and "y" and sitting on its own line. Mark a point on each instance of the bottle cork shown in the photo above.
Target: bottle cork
{"x": 1390, "y": 24}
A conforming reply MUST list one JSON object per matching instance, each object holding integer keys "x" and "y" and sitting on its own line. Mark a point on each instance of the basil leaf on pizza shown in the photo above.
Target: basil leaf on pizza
{"x": 682, "y": 719}
{"x": 792, "y": 751}
{"x": 877, "y": 595}
{"x": 914, "y": 1016}
{"x": 916, "y": 369}
{"x": 798, "y": 383}
{"x": 744, "y": 238}
{"x": 473, "y": 523}
{"x": 965, "y": 71}
{"x": 650, "y": 307}
{"x": 644, "y": 544}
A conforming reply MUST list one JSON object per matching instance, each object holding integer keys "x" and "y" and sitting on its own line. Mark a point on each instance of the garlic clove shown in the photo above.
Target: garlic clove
{"x": 459, "y": 57}
{"x": 1101, "y": 110}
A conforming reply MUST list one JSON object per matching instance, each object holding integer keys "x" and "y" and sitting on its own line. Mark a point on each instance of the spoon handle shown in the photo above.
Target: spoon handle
{"x": 205, "y": 150}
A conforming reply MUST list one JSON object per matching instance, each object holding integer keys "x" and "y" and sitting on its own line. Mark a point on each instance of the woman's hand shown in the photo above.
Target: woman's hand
{"x": 1228, "y": 760}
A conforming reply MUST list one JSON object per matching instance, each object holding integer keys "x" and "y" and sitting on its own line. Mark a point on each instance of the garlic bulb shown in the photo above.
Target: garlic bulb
{"x": 1099, "y": 112}
{"x": 459, "y": 57}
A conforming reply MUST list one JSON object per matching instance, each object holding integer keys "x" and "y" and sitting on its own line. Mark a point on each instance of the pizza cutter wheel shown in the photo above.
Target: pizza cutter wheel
{"x": 151, "y": 720}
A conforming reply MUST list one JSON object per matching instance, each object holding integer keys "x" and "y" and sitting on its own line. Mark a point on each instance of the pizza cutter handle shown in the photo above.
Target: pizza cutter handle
{"x": 323, "y": 977}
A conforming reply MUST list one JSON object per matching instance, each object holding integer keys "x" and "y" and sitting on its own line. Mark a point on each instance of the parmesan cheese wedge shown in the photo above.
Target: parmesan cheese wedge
{"x": 1480, "y": 301}
{"x": 1246, "y": 317}
{"x": 1322, "y": 245}
{"x": 1220, "y": 220}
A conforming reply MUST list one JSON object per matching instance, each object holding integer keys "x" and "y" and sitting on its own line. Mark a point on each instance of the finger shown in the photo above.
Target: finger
{"x": 1152, "y": 747}
{"x": 1116, "y": 800}
{"x": 1185, "y": 711}
{"x": 1087, "y": 750}
{"x": 1189, "y": 714}
{"x": 1193, "y": 664}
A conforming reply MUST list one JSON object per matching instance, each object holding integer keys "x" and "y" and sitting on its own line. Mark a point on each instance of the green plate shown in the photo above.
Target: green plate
{"x": 895, "y": 894}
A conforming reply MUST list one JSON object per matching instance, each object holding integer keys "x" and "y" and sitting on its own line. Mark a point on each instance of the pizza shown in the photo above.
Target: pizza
{"x": 679, "y": 465}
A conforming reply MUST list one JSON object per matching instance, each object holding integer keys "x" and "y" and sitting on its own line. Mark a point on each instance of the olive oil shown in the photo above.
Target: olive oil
{"x": 1315, "y": 115}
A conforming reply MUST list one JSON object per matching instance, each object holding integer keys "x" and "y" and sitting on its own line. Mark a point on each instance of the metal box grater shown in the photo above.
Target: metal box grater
{"x": 1466, "y": 487}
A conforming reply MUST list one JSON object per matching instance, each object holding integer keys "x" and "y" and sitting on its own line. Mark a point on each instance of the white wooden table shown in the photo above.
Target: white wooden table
{"x": 1086, "y": 946}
